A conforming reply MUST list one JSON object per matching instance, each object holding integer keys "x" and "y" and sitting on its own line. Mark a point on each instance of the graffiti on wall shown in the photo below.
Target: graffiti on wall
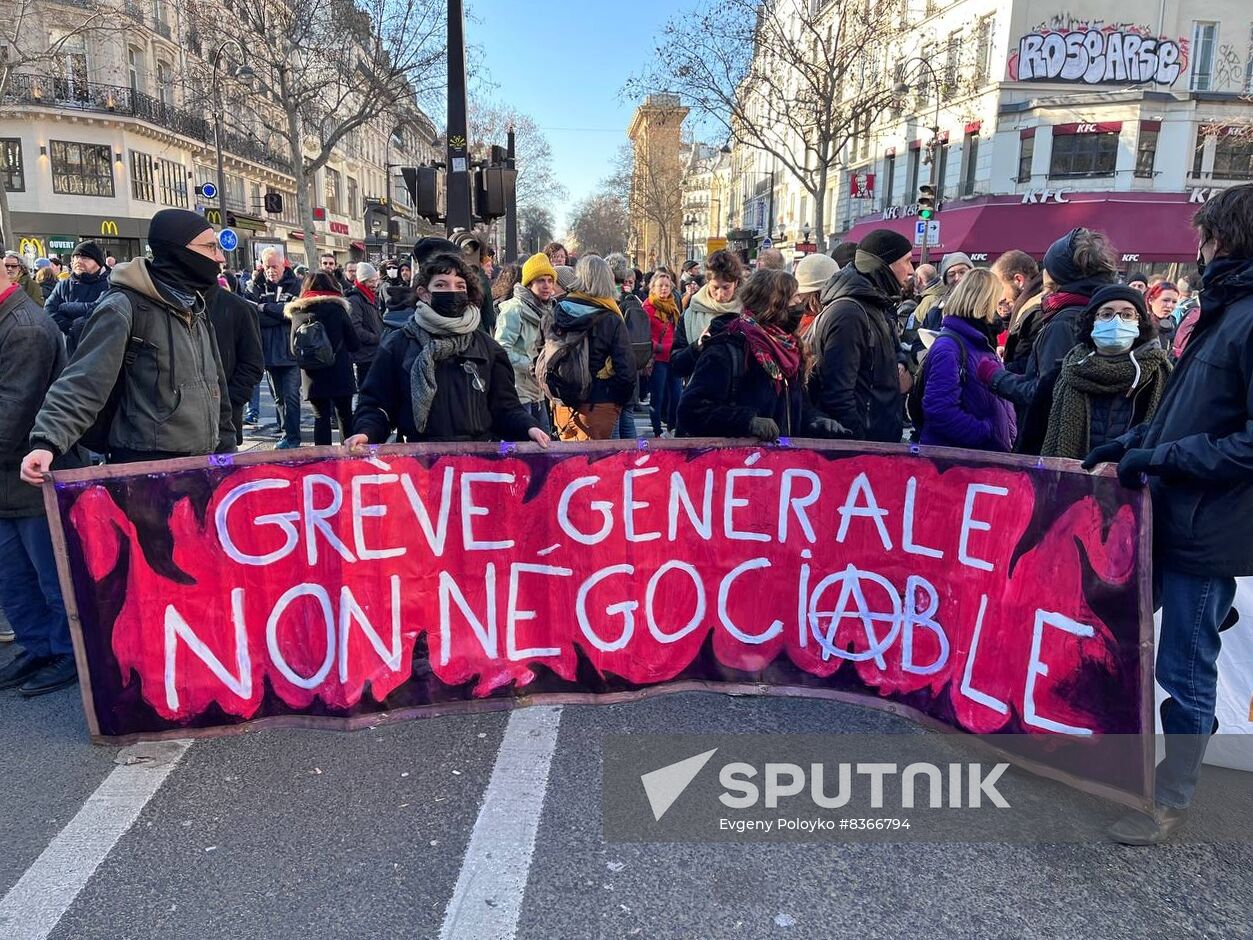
{"x": 1065, "y": 49}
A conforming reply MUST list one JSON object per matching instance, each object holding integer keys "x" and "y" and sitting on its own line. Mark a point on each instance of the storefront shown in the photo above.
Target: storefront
{"x": 43, "y": 233}
{"x": 1146, "y": 228}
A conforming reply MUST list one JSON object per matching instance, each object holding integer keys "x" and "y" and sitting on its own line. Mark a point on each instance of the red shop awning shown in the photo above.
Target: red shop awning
{"x": 1144, "y": 227}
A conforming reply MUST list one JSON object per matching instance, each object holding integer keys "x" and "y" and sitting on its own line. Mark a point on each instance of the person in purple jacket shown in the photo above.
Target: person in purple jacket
{"x": 958, "y": 410}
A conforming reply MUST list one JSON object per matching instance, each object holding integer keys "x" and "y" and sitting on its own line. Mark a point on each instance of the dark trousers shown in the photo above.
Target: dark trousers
{"x": 237, "y": 418}
{"x": 30, "y": 592}
{"x": 362, "y": 369}
{"x": 324, "y": 409}
{"x": 663, "y": 404}
{"x": 285, "y": 387}
{"x": 539, "y": 411}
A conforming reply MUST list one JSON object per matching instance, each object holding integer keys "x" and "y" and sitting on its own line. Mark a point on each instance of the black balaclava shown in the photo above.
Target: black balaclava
{"x": 173, "y": 263}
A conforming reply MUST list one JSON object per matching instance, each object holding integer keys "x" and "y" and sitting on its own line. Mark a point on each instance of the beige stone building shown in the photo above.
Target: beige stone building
{"x": 656, "y": 198}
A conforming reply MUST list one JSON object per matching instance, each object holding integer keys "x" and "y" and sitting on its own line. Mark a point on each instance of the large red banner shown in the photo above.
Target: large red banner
{"x": 990, "y": 594}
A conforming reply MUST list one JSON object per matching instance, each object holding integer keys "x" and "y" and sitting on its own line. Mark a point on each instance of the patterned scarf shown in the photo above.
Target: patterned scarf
{"x": 666, "y": 308}
{"x": 778, "y": 353}
{"x": 1085, "y": 375}
{"x": 438, "y": 338}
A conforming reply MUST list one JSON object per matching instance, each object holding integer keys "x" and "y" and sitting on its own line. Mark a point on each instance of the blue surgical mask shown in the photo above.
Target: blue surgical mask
{"x": 1116, "y": 335}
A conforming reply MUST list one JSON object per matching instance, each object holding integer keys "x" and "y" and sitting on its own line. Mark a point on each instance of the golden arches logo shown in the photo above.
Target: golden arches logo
{"x": 31, "y": 246}
{"x": 108, "y": 227}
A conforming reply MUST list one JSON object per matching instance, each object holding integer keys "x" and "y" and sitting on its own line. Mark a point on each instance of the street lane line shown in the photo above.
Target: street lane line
{"x": 33, "y": 906}
{"x": 487, "y": 901}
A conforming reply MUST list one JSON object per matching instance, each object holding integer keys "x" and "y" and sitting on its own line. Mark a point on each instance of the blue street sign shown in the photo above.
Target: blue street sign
{"x": 766, "y": 243}
{"x": 208, "y": 190}
{"x": 228, "y": 239}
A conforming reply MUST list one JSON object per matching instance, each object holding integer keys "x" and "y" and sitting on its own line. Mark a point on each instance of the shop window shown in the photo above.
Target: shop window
{"x": 81, "y": 169}
{"x": 1146, "y": 154}
{"x": 11, "y": 170}
{"x": 1233, "y": 157}
{"x": 1077, "y": 155}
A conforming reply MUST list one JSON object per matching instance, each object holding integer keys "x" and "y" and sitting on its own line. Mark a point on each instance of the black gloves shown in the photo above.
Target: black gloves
{"x": 764, "y": 429}
{"x": 1133, "y": 466}
{"x": 1106, "y": 453}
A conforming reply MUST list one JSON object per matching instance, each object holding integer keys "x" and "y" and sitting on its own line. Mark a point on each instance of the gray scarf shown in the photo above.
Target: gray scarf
{"x": 532, "y": 307}
{"x": 438, "y": 338}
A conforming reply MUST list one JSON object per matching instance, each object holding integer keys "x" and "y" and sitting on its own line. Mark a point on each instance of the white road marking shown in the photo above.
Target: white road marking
{"x": 487, "y": 901}
{"x": 33, "y": 906}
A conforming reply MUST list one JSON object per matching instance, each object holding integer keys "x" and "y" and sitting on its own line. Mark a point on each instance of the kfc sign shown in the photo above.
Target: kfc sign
{"x": 861, "y": 185}
{"x": 1035, "y": 196}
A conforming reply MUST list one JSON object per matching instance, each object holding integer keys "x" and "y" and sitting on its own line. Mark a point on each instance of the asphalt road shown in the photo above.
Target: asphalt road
{"x": 286, "y": 834}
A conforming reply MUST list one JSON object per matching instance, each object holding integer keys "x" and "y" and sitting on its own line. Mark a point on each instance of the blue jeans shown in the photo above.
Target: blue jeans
{"x": 1193, "y": 608}
{"x": 663, "y": 405}
{"x": 285, "y": 387}
{"x": 253, "y": 410}
{"x": 29, "y": 590}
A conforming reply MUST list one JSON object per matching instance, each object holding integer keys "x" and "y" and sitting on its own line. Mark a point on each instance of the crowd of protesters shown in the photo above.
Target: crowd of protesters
{"x": 162, "y": 357}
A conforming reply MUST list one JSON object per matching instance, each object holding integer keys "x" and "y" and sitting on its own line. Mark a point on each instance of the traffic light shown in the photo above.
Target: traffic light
{"x": 274, "y": 203}
{"x": 926, "y": 201}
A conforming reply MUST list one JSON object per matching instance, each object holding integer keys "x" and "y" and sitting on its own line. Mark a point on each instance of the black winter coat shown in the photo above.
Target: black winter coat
{"x": 460, "y": 411}
{"x": 338, "y": 379}
{"x": 72, "y": 301}
{"x": 368, "y": 323}
{"x": 684, "y": 354}
{"x": 239, "y": 342}
{"x": 1202, "y": 436}
{"x": 607, "y": 341}
{"x": 729, "y": 389}
{"x": 270, "y": 301}
{"x": 855, "y": 381}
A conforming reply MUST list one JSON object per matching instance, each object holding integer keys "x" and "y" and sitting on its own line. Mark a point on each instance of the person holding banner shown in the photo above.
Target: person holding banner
{"x": 149, "y": 337}
{"x": 750, "y": 377}
{"x": 1197, "y": 452}
{"x": 441, "y": 378}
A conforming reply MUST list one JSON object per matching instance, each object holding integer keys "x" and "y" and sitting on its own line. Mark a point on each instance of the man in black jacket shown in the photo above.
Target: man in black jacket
{"x": 239, "y": 344}
{"x": 1197, "y": 451}
{"x": 73, "y": 300}
{"x": 274, "y": 285}
{"x": 859, "y": 378}
{"x": 32, "y": 355}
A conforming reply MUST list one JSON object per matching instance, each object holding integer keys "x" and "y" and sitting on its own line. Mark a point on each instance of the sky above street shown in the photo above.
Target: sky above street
{"x": 564, "y": 64}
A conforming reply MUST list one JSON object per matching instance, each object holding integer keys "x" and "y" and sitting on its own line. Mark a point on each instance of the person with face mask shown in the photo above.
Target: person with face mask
{"x": 1111, "y": 381}
{"x": 151, "y": 331}
{"x": 750, "y": 378}
{"x": 441, "y": 378}
{"x": 859, "y": 377}
{"x": 957, "y": 410}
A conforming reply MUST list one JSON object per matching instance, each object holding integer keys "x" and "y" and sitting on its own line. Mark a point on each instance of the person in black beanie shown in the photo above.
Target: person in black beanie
{"x": 859, "y": 377}
{"x": 72, "y": 300}
{"x": 151, "y": 332}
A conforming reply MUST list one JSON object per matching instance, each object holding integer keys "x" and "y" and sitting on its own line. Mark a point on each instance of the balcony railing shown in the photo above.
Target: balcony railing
{"x": 67, "y": 94}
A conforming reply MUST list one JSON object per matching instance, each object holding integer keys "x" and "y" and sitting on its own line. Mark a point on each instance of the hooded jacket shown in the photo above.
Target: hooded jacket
{"x": 72, "y": 301}
{"x": 461, "y": 410}
{"x": 367, "y": 321}
{"x": 174, "y": 397}
{"x": 1201, "y": 436}
{"x": 270, "y": 301}
{"x": 338, "y": 379}
{"x": 32, "y": 355}
{"x": 517, "y": 331}
{"x": 855, "y": 379}
{"x": 609, "y": 354}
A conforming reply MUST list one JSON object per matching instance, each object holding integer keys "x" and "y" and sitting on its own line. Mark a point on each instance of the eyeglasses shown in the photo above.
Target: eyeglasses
{"x": 1105, "y": 315}
{"x": 12, "y": 267}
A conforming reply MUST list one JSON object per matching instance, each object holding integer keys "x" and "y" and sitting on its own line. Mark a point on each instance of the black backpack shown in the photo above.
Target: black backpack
{"x": 562, "y": 368}
{"x": 913, "y": 403}
{"x": 640, "y": 332}
{"x": 311, "y": 347}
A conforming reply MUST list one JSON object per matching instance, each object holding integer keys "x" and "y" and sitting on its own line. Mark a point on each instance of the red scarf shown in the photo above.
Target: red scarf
{"x": 321, "y": 293}
{"x": 1061, "y": 299}
{"x": 366, "y": 292}
{"x": 778, "y": 353}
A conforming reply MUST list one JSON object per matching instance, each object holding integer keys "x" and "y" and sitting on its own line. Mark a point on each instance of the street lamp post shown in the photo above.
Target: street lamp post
{"x": 690, "y": 224}
{"x": 239, "y": 72}
{"x": 933, "y": 147}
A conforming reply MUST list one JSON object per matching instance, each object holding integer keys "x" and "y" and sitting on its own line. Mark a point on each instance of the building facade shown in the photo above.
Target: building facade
{"x": 94, "y": 143}
{"x": 1031, "y": 118}
{"x": 655, "y": 202}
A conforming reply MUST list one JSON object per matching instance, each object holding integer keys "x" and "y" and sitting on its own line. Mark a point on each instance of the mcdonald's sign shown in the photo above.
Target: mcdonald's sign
{"x": 108, "y": 227}
{"x": 213, "y": 216}
{"x": 31, "y": 246}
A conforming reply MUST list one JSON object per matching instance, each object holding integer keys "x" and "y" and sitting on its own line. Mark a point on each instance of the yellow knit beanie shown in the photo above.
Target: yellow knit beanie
{"x": 537, "y": 266}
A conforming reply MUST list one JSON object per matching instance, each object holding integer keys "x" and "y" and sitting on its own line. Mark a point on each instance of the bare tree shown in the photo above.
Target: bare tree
{"x": 537, "y": 184}
{"x": 796, "y": 79}
{"x": 598, "y": 224}
{"x": 28, "y": 48}
{"x": 329, "y": 68}
{"x": 536, "y": 228}
{"x": 652, "y": 192}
